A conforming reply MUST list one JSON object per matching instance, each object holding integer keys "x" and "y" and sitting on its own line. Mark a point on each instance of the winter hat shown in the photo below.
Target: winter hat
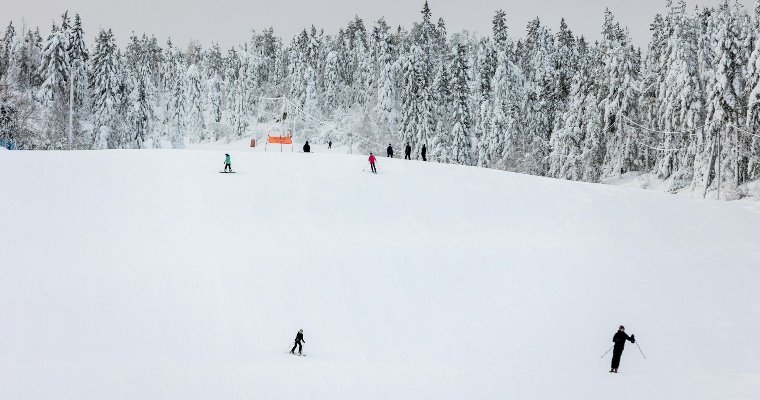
{"x": 300, "y": 330}
{"x": 622, "y": 328}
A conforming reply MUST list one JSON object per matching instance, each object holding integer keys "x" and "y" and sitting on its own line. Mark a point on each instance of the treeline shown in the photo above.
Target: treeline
{"x": 550, "y": 103}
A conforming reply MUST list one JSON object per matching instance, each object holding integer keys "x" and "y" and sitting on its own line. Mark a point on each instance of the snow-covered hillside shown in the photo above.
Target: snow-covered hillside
{"x": 150, "y": 275}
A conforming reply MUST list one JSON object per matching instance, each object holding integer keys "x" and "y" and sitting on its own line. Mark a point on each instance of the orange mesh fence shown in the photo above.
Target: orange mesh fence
{"x": 280, "y": 139}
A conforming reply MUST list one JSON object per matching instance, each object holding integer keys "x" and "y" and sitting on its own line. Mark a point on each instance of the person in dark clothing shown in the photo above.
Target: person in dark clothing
{"x": 306, "y": 147}
{"x": 329, "y": 145}
{"x": 408, "y": 152}
{"x": 390, "y": 151}
{"x": 619, "y": 339}
{"x": 299, "y": 339}
{"x": 424, "y": 152}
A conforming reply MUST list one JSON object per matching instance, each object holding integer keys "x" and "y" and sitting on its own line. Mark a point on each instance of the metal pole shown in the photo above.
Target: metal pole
{"x": 719, "y": 165}
{"x": 642, "y": 353}
{"x": 605, "y": 353}
{"x": 71, "y": 107}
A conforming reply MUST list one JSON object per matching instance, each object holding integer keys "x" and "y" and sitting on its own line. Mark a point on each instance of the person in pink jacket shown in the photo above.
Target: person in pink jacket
{"x": 372, "y": 160}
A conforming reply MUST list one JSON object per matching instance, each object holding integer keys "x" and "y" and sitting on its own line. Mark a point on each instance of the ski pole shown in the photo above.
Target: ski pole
{"x": 605, "y": 353}
{"x": 642, "y": 353}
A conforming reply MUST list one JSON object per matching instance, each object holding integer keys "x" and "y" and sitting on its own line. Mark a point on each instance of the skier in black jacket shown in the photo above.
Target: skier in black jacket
{"x": 424, "y": 152}
{"x": 389, "y": 151}
{"x": 299, "y": 339}
{"x": 408, "y": 152}
{"x": 619, "y": 339}
{"x": 306, "y": 147}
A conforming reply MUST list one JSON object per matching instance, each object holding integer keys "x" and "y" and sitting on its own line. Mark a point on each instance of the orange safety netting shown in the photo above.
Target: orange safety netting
{"x": 280, "y": 139}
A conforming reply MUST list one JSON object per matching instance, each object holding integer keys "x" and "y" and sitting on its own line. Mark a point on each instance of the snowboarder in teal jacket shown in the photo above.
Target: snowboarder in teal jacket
{"x": 227, "y": 163}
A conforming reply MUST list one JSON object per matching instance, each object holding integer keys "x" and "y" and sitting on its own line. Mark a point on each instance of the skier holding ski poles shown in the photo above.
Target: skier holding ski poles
{"x": 299, "y": 339}
{"x": 619, "y": 339}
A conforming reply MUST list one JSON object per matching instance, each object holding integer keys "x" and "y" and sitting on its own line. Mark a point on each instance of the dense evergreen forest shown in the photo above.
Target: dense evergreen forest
{"x": 541, "y": 101}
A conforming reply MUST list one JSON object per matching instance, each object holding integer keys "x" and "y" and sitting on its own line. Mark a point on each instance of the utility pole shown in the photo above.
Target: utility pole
{"x": 71, "y": 107}
{"x": 718, "y": 164}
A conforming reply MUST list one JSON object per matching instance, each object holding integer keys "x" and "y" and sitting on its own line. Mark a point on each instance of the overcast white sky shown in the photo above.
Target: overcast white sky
{"x": 229, "y": 22}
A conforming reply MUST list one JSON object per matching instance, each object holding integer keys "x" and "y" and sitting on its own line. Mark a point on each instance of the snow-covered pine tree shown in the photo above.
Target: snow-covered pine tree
{"x": 577, "y": 150}
{"x": 213, "y": 65}
{"x": 176, "y": 110}
{"x": 54, "y": 69}
{"x": 7, "y": 48}
{"x": 78, "y": 59}
{"x": 539, "y": 106}
{"x": 194, "y": 125}
{"x": 416, "y": 105}
{"x": 620, "y": 87}
{"x": 461, "y": 131}
{"x": 752, "y": 123}
{"x": 441, "y": 142}
{"x": 680, "y": 97}
{"x": 105, "y": 87}
{"x": 724, "y": 100}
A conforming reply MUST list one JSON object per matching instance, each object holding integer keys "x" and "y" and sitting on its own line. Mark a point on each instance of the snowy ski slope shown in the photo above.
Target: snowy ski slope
{"x": 150, "y": 275}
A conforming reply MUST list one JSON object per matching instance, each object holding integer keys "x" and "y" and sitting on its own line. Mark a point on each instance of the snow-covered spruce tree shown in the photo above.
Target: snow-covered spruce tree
{"x": 485, "y": 67}
{"x": 724, "y": 103}
{"x": 7, "y": 49}
{"x": 649, "y": 96}
{"x": 240, "y": 112}
{"x": 577, "y": 151}
{"x": 194, "y": 125}
{"x": 54, "y": 69}
{"x": 331, "y": 84}
{"x": 79, "y": 61}
{"x": 385, "y": 85}
{"x": 752, "y": 123}
{"x": 680, "y": 97}
{"x": 140, "y": 113}
{"x": 508, "y": 118}
{"x": 176, "y": 110}
{"x": 620, "y": 80}
{"x": 565, "y": 68}
{"x": 416, "y": 105}
{"x": 213, "y": 66}
{"x": 461, "y": 147}
{"x": 443, "y": 98}
{"x": 539, "y": 107}
{"x": 105, "y": 86}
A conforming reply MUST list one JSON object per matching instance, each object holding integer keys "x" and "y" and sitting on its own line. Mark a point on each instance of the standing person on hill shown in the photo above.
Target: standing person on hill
{"x": 306, "y": 147}
{"x": 408, "y": 152}
{"x": 227, "y": 163}
{"x": 619, "y": 339}
{"x": 329, "y": 145}
{"x": 424, "y": 152}
{"x": 390, "y": 151}
{"x": 299, "y": 339}
{"x": 372, "y": 160}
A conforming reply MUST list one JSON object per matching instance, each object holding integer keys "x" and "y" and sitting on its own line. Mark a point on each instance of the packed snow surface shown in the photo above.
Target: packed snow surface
{"x": 150, "y": 275}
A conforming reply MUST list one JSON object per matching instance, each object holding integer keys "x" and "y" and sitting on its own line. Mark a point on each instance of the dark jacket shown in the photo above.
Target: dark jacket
{"x": 620, "y": 338}
{"x": 299, "y": 338}
{"x": 306, "y": 148}
{"x": 390, "y": 151}
{"x": 408, "y": 150}
{"x": 424, "y": 150}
